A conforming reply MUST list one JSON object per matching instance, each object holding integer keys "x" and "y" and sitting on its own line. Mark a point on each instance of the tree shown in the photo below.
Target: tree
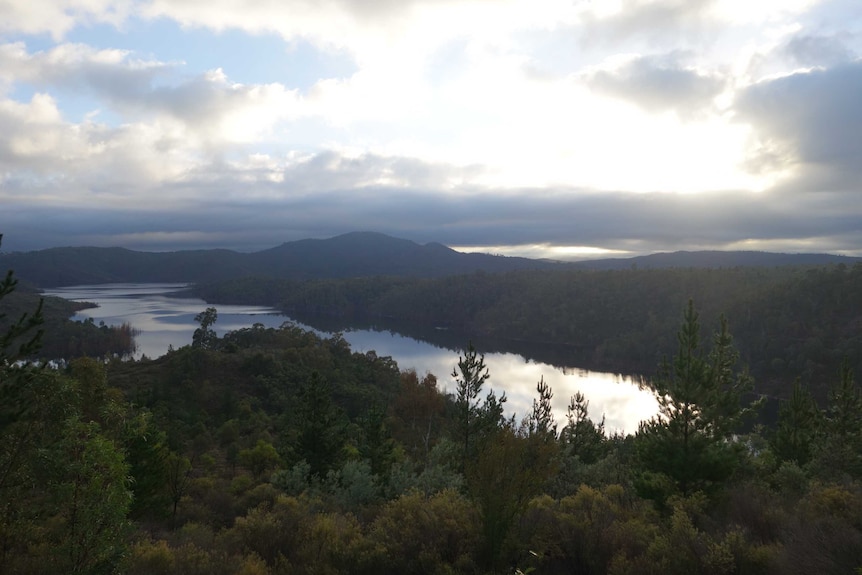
{"x": 90, "y": 489}
{"x": 840, "y": 448}
{"x": 584, "y": 438}
{"x": 540, "y": 422}
{"x": 321, "y": 433}
{"x": 205, "y": 336}
{"x": 418, "y": 534}
{"x": 798, "y": 425}
{"x": 689, "y": 446}
{"x": 260, "y": 458}
{"x": 506, "y": 474}
{"x": 179, "y": 470}
{"x": 15, "y": 331}
{"x": 416, "y": 413}
{"x": 474, "y": 418}
{"x": 18, "y": 339}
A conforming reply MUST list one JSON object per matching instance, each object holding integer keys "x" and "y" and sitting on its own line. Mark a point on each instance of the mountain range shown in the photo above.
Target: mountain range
{"x": 356, "y": 254}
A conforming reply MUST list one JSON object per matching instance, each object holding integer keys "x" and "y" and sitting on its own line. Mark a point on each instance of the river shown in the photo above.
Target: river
{"x": 165, "y": 320}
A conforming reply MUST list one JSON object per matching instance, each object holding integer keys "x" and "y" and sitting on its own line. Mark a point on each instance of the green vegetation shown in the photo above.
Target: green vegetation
{"x": 788, "y": 322}
{"x": 271, "y": 451}
{"x": 60, "y": 336}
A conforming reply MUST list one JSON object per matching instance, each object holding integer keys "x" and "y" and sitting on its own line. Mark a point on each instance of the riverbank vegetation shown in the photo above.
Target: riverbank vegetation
{"x": 788, "y": 322}
{"x": 62, "y": 337}
{"x": 278, "y": 451}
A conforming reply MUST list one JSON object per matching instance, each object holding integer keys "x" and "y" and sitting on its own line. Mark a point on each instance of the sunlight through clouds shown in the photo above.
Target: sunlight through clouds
{"x": 523, "y": 112}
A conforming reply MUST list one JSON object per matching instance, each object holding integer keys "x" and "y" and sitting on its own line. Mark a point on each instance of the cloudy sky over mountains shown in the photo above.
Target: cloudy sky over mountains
{"x": 552, "y": 128}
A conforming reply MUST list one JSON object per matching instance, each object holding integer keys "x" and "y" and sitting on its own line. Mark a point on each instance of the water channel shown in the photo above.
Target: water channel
{"x": 165, "y": 319}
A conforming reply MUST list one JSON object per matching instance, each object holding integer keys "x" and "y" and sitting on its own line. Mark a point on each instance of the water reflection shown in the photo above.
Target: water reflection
{"x": 166, "y": 319}
{"x": 162, "y": 318}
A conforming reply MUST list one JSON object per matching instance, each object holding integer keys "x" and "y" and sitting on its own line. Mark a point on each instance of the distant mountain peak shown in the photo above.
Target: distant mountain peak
{"x": 350, "y": 255}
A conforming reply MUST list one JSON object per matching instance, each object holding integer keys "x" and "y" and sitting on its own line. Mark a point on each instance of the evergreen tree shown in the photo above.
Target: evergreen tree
{"x": 584, "y": 438}
{"x": 475, "y": 419}
{"x": 320, "y": 430}
{"x": 690, "y": 445}
{"x": 841, "y": 448}
{"x": 798, "y": 425}
{"x": 19, "y": 339}
{"x": 540, "y": 422}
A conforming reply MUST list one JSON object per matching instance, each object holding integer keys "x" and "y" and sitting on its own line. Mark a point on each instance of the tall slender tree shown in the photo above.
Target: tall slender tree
{"x": 320, "y": 434}
{"x": 799, "y": 421}
{"x": 470, "y": 376}
{"x": 841, "y": 447}
{"x": 540, "y": 422}
{"x": 689, "y": 446}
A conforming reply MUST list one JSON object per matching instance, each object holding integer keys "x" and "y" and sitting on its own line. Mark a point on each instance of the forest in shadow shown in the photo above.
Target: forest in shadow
{"x": 278, "y": 451}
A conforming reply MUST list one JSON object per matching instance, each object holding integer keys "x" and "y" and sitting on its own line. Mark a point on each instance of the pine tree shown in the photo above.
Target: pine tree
{"x": 320, "y": 433}
{"x": 585, "y": 438}
{"x": 19, "y": 339}
{"x": 840, "y": 450}
{"x": 540, "y": 422}
{"x": 798, "y": 424}
{"x": 475, "y": 418}
{"x": 690, "y": 445}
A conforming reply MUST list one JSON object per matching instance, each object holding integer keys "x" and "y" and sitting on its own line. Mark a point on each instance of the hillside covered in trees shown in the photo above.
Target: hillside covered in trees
{"x": 63, "y": 337}
{"x": 349, "y": 255}
{"x": 352, "y": 255}
{"x": 277, "y": 451}
{"x": 788, "y": 321}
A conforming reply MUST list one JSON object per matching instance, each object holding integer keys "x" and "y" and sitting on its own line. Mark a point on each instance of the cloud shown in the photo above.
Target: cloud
{"x": 243, "y": 206}
{"x": 810, "y": 124}
{"x": 369, "y": 30}
{"x": 651, "y": 21}
{"x": 45, "y": 159}
{"x": 112, "y": 75}
{"x": 211, "y": 109}
{"x": 57, "y": 17}
{"x": 659, "y": 84}
{"x": 463, "y": 123}
{"x": 811, "y": 50}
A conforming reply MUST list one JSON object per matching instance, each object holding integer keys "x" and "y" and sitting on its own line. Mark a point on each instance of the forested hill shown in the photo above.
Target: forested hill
{"x": 367, "y": 254}
{"x": 788, "y": 321}
{"x": 717, "y": 259}
{"x": 358, "y": 254}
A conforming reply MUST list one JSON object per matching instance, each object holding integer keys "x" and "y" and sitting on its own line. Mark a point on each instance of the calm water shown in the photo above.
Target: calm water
{"x": 165, "y": 320}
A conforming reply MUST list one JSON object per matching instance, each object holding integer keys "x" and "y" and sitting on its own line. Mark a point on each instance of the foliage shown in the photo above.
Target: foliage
{"x": 278, "y": 451}
{"x": 320, "y": 434}
{"x": 476, "y": 419}
{"x": 205, "y": 336}
{"x": 798, "y": 425}
{"x": 415, "y": 534}
{"x": 789, "y": 321}
{"x": 584, "y": 438}
{"x": 541, "y": 421}
{"x": 508, "y": 472}
{"x": 689, "y": 446}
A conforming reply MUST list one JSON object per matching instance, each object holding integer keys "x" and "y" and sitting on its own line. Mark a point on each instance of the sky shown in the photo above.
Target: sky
{"x": 564, "y": 129}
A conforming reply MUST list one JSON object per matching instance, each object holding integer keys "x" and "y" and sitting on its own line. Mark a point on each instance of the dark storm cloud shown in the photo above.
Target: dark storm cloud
{"x": 811, "y": 121}
{"x": 266, "y": 214}
{"x": 815, "y": 50}
{"x": 659, "y": 83}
